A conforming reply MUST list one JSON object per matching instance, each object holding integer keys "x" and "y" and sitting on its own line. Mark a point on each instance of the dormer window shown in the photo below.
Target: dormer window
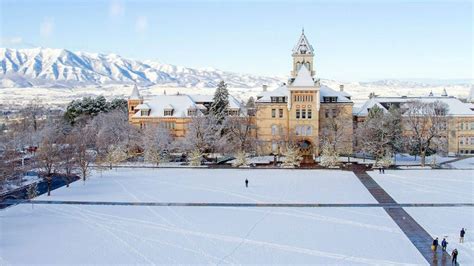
{"x": 168, "y": 112}
{"x": 192, "y": 112}
{"x": 331, "y": 99}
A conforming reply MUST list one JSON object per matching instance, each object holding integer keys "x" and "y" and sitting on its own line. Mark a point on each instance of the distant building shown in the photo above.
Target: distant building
{"x": 460, "y": 127}
{"x": 172, "y": 111}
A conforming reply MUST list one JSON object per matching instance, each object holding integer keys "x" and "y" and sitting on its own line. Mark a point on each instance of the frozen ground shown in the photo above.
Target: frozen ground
{"x": 441, "y": 222}
{"x": 467, "y": 163}
{"x": 428, "y": 186}
{"x": 65, "y": 234}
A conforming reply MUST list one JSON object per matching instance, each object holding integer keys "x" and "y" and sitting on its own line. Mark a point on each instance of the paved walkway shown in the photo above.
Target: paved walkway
{"x": 414, "y": 231}
{"x": 225, "y": 204}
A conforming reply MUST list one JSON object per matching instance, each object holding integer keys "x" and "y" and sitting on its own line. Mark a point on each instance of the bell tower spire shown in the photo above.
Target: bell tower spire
{"x": 303, "y": 54}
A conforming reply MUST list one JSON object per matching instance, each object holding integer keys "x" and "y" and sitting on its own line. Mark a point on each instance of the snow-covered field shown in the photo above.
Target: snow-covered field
{"x": 428, "y": 186}
{"x": 437, "y": 186}
{"x": 65, "y": 234}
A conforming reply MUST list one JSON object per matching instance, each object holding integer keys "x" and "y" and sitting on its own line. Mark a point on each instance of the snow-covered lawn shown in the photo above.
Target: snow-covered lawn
{"x": 441, "y": 222}
{"x": 467, "y": 163}
{"x": 65, "y": 234}
{"x": 219, "y": 185}
{"x": 428, "y": 186}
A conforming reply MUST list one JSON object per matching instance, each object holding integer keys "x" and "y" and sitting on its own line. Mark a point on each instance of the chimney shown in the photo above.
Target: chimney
{"x": 445, "y": 93}
{"x": 341, "y": 87}
{"x": 264, "y": 87}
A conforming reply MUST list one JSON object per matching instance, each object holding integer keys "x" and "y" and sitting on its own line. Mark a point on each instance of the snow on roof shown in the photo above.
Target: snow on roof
{"x": 303, "y": 46}
{"x": 303, "y": 78}
{"x": 179, "y": 103}
{"x": 143, "y": 106}
{"x": 135, "y": 93}
{"x": 283, "y": 91}
{"x": 202, "y": 98}
{"x": 325, "y": 91}
{"x": 455, "y": 106}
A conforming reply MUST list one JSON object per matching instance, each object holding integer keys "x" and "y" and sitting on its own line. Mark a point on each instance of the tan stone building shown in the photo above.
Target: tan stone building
{"x": 303, "y": 111}
{"x": 459, "y": 128}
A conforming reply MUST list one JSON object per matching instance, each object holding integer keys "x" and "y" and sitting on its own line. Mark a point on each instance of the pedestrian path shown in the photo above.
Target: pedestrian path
{"x": 414, "y": 231}
{"x": 224, "y": 204}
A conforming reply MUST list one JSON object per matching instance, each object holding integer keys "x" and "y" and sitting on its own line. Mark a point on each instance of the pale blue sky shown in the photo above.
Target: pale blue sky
{"x": 353, "y": 40}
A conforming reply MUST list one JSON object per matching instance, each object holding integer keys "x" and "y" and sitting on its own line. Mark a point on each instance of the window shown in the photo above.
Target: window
{"x": 298, "y": 131}
{"x": 280, "y": 113}
{"x": 461, "y": 141}
{"x": 472, "y": 125}
{"x": 310, "y": 114}
{"x": 274, "y": 147}
{"x": 330, "y": 99}
{"x": 145, "y": 112}
{"x": 303, "y": 113}
{"x": 274, "y": 130}
{"x": 297, "y": 113}
{"x": 168, "y": 112}
{"x": 309, "y": 130}
{"x": 132, "y": 108}
{"x": 326, "y": 113}
{"x": 273, "y": 113}
{"x": 192, "y": 112}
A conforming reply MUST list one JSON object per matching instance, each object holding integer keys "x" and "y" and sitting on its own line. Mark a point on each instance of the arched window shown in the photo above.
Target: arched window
{"x": 309, "y": 130}
{"x": 274, "y": 130}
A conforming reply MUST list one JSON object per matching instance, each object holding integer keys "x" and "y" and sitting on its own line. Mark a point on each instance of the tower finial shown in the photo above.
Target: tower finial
{"x": 302, "y": 30}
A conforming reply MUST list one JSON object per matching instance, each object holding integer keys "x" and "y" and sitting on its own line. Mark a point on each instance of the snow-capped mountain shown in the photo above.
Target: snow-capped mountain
{"x": 45, "y": 67}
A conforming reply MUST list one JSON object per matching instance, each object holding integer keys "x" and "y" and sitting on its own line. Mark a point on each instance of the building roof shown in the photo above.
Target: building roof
{"x": 303, "y": 46}
{"x": 135, "y": 93}
{"x": 303, "y": 78}
{"x": 179, "y": 104}
{"x": 324, "y": 91}
{"x": 143, "y": 106}
{"x": 234, "y": 103}
{"x": 455, "y": 106}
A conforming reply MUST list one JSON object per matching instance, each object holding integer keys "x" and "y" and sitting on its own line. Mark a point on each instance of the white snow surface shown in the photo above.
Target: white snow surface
{"x": 67, "y": 234}
{"x": 442, "y": 222}
{"x": 428, "y": 186}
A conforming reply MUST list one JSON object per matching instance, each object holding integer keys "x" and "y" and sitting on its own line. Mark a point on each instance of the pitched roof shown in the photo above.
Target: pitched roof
{"x": 455, "y": 106}
{"x": 303, "y": 78}
{"x": 283, "y": 91}
{"x": 135, "y": 93}
{"x": 179, "y": 103}
{"x": 303, "y": 46}
{"x": 325, "y": 91}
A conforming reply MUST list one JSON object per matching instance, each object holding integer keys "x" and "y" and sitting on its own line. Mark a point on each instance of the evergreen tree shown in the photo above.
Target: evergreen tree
{"x": 220, "y": 101}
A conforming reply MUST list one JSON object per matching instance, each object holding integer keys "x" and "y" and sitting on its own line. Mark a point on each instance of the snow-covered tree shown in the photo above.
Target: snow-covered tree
{"x": 203, "y": 134}
{"x": 426, "y": 124}
{"x": 195, "y": 158}
{"x": 32, "y": 190}
{"x": 156, "y": 143}
{"x": 220, "y": 101}
{"x": 292, "y": 157}
{"x": 240, "y": 160}
{"x": 113, "y": 155}
{"x": 380, "y": 134}
{"x": 239, "y": 133}
{"x": 329, "y": 156}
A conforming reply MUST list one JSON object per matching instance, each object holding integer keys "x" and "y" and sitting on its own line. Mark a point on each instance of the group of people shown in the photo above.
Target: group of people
{"x": 444, "y": 245}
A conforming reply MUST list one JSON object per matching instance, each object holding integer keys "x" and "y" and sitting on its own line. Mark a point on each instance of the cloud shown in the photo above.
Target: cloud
{"x": 141, "y": 24}
{"x": 7, "y": 41}
{"x": 116, "y": 8}
{"x": 46, "y": 27}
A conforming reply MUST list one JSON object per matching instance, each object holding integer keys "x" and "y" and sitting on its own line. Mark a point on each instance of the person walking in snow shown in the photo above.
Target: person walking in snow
{"x": 444, "y": 244}
{"x": 461, "y": 235}
{"x": 435, "y": 245}
{"x": 380, "y": 170}
{"x": 454, "y": 256}
{"x": 383, "y": 170}
{"x": 246, "y": 182}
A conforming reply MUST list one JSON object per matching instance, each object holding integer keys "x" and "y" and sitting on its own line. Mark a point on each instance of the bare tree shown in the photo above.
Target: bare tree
{"x": 425, "y": 123}
{"x": 156, "y": 143}
{"x": 83, "y": 152}
{"x": 333, "y": 130}
{"x": 48, "y": 154}
{"x": 203, "y": 133}
{"x": 239, "y": 133}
